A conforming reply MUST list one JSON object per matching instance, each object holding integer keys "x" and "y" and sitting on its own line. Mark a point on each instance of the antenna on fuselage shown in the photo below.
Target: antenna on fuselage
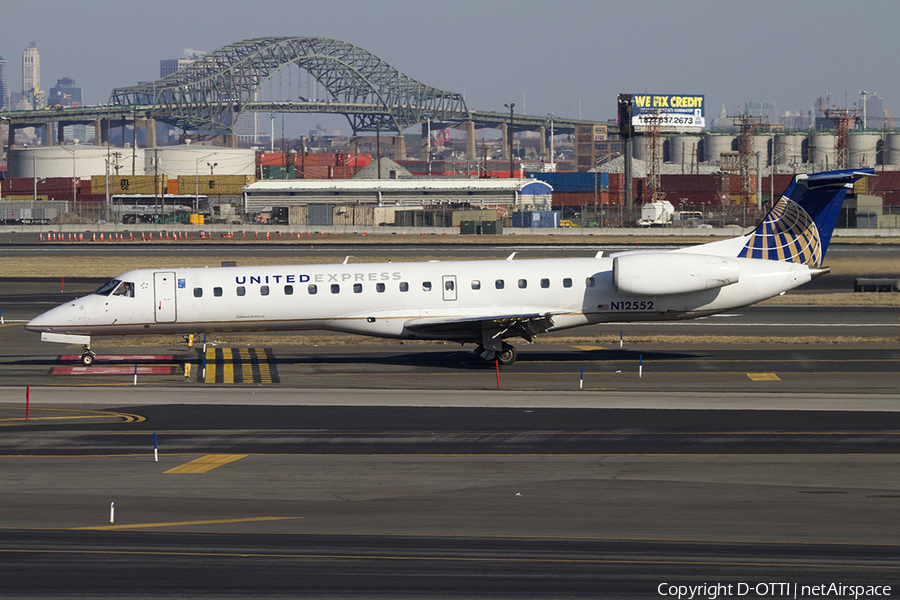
{"x": 510, "y": 257}
{"x": 347, "y": 260}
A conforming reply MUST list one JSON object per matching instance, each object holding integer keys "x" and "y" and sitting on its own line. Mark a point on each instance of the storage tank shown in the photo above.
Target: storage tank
{"x": 787, "y": 149}
{"x": 59, "y": 161}
{"x": 892, "y": 155}
{"x": 863, "y": 147}
{"x": 763, "y": 145}
{"x": 821, "y": 151}
{"x": 683, "y": 149}
{"x": 639, "y": 149}
{"x": 715, "y": 144}
{"x": 193, "y": 160}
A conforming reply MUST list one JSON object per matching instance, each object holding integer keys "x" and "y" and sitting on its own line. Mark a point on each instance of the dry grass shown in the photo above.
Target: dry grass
{"x": 104, "y": 265}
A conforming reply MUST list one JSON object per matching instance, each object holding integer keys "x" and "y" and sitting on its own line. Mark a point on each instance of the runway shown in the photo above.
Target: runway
{"x": 417, "y": 470}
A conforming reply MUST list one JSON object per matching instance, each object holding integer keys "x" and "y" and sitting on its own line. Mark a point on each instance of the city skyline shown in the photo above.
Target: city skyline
{"x": 571, "y": 59}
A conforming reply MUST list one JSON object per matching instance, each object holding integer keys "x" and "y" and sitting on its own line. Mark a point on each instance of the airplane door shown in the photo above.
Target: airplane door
{"x": 449, "y": 287}
{"x": 164, "y": 296}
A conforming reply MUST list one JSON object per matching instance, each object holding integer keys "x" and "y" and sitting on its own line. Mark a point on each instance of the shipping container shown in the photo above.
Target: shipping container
{"x": 536, "y": 219}
{"x": 320, "y": 214}
{"x": 481, "y": 227}
{"x": 358, "y": 216}
{"x": 574, "y": 182}
{"x": 130, "y": 184}
{"x": 214, "y": 185}
{"x": 297, "y": 215}
{"x": 276, "y": 172}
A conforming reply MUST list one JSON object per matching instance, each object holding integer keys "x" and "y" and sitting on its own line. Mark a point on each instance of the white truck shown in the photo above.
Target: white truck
{"x": 656, "y": 214}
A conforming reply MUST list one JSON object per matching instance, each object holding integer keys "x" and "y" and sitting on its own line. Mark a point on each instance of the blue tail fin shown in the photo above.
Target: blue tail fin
{"x": 799, "y": 226}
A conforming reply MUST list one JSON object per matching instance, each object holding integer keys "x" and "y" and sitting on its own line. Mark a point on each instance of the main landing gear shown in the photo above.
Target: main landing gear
{"x": 87, "y": 356}
{"x": 505, "y": 356}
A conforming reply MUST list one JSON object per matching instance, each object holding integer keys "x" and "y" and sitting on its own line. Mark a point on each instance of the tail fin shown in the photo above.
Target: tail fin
{"x": 799, "y": 227}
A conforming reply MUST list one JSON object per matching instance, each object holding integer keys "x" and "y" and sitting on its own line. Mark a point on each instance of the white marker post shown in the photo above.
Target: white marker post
{"x": 620, "y": 340}
{"x": 112, "y": 513}
{"x": 640, "y": 366}
{"x": 135, "y": 373}
{"x": 155, "y": 450}
{"x": 581, "y": 380}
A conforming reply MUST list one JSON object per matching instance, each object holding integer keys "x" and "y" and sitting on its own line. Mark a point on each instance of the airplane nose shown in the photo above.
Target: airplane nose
{"x": 54, "y": 317}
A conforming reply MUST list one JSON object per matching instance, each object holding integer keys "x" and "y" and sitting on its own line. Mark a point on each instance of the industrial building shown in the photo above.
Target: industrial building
{"x": 516, "y": 194}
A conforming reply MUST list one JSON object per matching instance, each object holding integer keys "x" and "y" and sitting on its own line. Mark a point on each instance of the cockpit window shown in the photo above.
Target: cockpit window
{"x": 126, "y": 289}
{"x": 108, "y": 287}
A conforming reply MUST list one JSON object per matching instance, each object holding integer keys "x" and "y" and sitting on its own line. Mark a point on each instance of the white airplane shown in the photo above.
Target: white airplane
{"x": 478, "y": 302}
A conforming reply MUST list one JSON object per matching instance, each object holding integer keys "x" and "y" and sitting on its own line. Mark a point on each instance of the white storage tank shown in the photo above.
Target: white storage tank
{"x": 787, "y": 149}
{"x": 763, "y": 145}
{"x": 640, "y": 150}
{"x": 863, "y": 147}
{"x": 683, "y": 149}
{"x": 821, "y": 151}
{"x": 892, "y": 155}
{"x": 715, "y": 144}
{"x": 194, "y": 160}
{"x": 59, "y": 161}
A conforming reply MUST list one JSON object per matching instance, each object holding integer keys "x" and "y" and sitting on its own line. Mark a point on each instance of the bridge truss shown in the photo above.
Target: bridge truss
{"x": 212, "y": 92}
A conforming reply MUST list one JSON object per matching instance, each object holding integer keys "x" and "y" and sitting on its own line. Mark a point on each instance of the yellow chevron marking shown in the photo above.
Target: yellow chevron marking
{"x": 763, "y": 376}
{"x": 206, "y": 463}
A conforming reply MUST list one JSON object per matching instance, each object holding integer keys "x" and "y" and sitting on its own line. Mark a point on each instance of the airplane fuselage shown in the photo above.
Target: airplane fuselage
{"x": 398, "y": 300}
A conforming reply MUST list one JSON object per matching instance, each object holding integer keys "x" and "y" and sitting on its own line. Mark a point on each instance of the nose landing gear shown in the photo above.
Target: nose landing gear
{"x": 87, "y": 356}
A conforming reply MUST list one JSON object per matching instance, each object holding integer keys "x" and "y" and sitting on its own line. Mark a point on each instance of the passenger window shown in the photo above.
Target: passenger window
{"x": 567, "y": 282}
{"x": 426, "y": 286}
{"x": 523, "y": 284}
{"x": 379, "y": 287}
{"x": 589, "y": 282}
{"x": 335, "y": 288}
{"x": 217, "y": 292}
{"x": 404, "y": 287}
{"x": 198, "y": 292}
{"x": 498, "y": 284}
{"x": 312, "y": 289}
{"x": 241, "y": 290}
{"x": 357, "y": 288}
{"x": 288, "y": 290}
{"x": 545, "y": 283}
{"x": 448, "y": 285}
{"x": 264, "y": 290}
{"x": 476, "y": 285}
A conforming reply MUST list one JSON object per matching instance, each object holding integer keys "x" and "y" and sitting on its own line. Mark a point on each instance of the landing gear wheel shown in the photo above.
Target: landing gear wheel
{"x": 87, "y": 359}
{"x": 508, "y": 355}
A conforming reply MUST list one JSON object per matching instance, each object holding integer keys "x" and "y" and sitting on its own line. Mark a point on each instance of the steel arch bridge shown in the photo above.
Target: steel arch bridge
{"x": 212, "y": 92}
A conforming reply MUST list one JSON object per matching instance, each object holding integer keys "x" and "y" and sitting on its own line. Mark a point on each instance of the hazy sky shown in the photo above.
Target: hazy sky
{"x": 569, "y": 57}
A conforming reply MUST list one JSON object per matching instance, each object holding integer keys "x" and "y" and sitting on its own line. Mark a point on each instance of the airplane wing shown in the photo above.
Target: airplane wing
{"x": 524, "y": 325}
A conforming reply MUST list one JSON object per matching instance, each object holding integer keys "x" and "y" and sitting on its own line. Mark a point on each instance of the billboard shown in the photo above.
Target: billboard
{"x": 677, "y": 112}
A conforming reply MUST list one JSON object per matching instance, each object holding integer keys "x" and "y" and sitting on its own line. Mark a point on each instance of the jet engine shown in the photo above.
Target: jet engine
{"x": 657, "y": 274}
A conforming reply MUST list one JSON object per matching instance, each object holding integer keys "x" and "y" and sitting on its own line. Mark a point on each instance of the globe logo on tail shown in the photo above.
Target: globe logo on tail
{"x": 787, "y": 234}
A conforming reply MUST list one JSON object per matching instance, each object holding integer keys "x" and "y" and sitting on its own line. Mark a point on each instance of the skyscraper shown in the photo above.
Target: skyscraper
{"x": 4, "y": 86}
{"x": 31, "y": 76}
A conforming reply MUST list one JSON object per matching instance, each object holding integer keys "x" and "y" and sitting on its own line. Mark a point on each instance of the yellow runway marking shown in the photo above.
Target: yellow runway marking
{"x": 589, "y": 348}
{"x": 180, "y": 523}
{"x": 227, "y": 366}
{"x": 210, "y": 365}
{"x": 763, "y": 376}
{"x": 206, "y": 463}
{"x": 69, "y": 415}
